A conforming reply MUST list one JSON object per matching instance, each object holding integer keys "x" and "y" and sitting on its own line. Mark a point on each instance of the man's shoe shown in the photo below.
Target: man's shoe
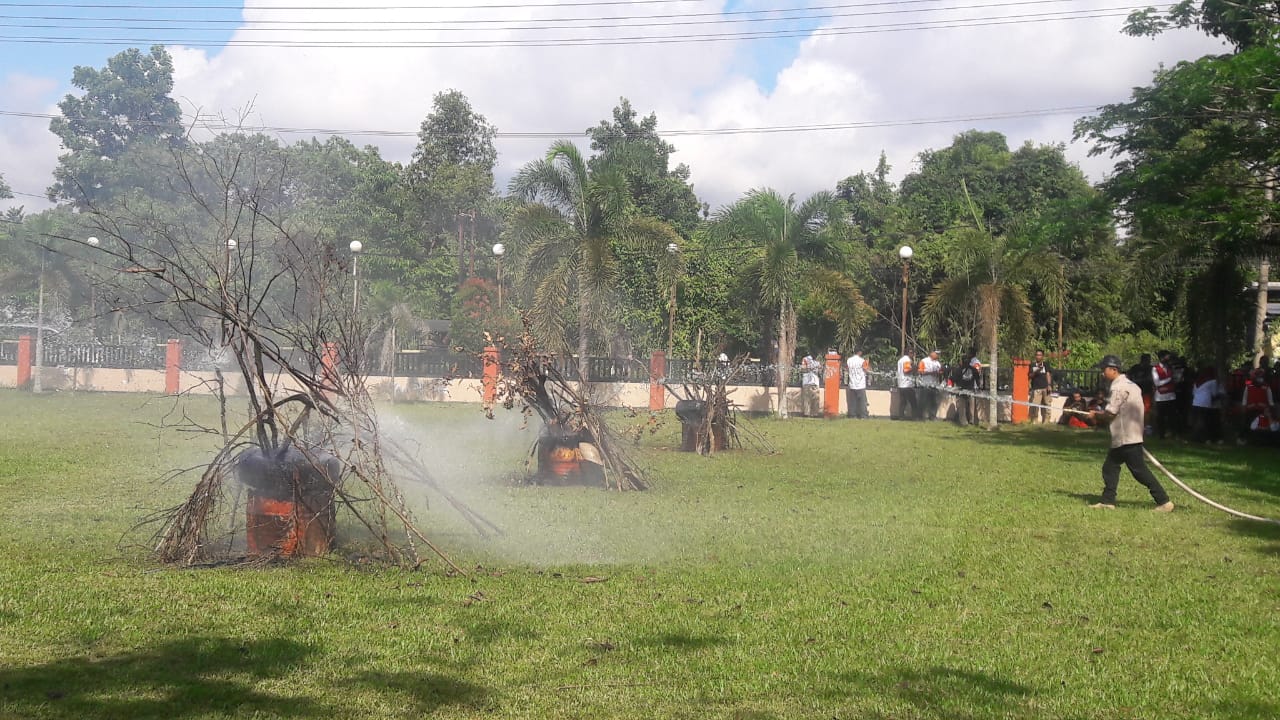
{"x": 1167, "y": 507}
{"x": 1105, "y": 506}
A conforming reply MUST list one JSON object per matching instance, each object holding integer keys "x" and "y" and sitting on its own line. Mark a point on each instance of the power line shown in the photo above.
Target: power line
{"x": 704, "y": 132}
{"x": 598, "y": 41}
{"x": 292, "y": 8}
{"x": 818, "y": 12}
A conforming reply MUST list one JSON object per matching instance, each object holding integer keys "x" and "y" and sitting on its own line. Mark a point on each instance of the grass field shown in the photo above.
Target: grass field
{"x": 868, "y": 570}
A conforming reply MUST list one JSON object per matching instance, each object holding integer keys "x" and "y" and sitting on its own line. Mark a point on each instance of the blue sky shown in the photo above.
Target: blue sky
{"x": 56, "y": 60}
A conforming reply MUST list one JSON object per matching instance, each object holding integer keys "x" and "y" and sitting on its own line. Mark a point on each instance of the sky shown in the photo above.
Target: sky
{"x": 730, "y": 81}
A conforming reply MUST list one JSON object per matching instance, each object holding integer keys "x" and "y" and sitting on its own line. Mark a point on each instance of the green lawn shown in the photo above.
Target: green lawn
{"x": 868, "y": 570}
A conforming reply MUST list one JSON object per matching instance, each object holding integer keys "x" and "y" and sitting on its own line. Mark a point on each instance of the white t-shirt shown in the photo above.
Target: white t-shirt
{"x": 931, "y": 374}
{"x": 1202, "y": 395}
{"x": 811, "y": 368}
{"x": 904, "y": 365}
{"x": 857, "y": 373}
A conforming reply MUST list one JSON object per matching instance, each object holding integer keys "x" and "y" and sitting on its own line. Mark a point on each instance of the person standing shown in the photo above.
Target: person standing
{"x": 929, "y": 386}
{"x": 1041, "y": 385}
{"x": 856, "y": 395}
{"x": 809, "y": 386}
{"x": 1166, "y": 395}
{"x": 905, "y": 380}
{"x": 965, "y": 379}
{"x": 1206, "y": 420}
{"x": 1124, "y": 411}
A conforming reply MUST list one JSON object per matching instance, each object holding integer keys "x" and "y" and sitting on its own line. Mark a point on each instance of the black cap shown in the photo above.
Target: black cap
{"x": 1109, "y": 361}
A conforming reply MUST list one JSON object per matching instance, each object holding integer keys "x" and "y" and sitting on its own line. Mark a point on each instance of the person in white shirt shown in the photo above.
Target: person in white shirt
{"x": 856, "y": 395}
{"x": 809, "y": 387}
{"x": 905, "y": 380}
{"x": 1206, "y": 420}
{"x": 929, "y": 386}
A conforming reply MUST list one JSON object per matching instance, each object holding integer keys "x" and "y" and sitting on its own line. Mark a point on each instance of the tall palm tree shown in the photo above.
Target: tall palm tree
{"x": 795, "y": 249}
{"x": 987, "y": 278}
{"x": 575, "y": 216}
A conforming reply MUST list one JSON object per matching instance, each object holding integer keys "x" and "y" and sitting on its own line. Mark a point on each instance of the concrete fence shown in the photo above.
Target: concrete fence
{"x": 172, "y": 379}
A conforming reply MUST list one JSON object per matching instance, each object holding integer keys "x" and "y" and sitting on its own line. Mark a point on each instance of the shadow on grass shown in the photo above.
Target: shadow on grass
{"x": 1252, "y": 468}
{"x": 200, "y": 676}
{"x": 684, "y": 641}
{"x": 937, "y": 692}
{"x": 1261, "y": 531}
{"x": 1091, "y": 498}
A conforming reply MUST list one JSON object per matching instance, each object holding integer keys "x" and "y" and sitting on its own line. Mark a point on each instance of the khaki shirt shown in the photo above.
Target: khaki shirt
{"x": 1125, "y": 402}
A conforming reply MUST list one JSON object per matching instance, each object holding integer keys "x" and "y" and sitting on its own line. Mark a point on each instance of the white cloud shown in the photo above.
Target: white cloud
{"x": 832, "y": 79}
{"x": 28, "y": 151}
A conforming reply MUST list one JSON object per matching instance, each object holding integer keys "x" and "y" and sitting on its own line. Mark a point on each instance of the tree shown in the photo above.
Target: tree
{"x": 1197, "y": 152}
{"x": 125, "y": 103}
{"x": 986, "y": 279}
{"x": 451, "y": 175}
{"x": 5, "y": 191}
{"x": 574, "y": 220}
{"x": 656, "y": 188}
{"x": 793, "y": 250}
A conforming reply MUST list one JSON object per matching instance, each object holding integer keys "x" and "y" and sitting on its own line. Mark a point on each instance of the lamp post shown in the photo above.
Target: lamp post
{"x": 498, "y": 251}
{"x": 356, "y": 246}
{"x": 905, "y": 252}
{"x": 672, "y": 249}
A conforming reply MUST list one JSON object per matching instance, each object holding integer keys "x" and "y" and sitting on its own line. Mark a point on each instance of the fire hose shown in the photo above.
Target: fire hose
{"x": 1146, "y": 453}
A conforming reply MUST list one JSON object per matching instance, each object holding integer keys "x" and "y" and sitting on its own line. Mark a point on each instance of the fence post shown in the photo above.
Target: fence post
{"x": 24, "y": 361}
{"x": 329, "y": 361}
{"x": 172, "y": 364}
{"x": 492, "y": 365}
{"x": 657, "y": 376}
{"x": 831, "y": 382}
{"x": 1021, "y": 391}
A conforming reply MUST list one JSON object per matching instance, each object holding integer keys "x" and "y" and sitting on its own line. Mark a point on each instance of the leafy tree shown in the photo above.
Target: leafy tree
{"x": 5, "y": 191}
{"x": 451, "y": 175}
{"x": 986, "y": 279}
{"x": 656, "y": 188}
{"x": 574, "y": 220}
{"x": 1197, "y": 152}
{"x": 124, "y": 103}
{"x": 794, "y": 251}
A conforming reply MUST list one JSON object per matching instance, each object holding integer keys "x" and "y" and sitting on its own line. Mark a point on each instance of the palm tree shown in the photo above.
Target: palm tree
{"x": 794, "y": 251}
{"x": 986, "y": 279}
{"x": 574, "y": 218}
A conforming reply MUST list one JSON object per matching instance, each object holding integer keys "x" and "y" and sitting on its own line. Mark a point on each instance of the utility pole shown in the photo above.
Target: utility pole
{"x": 1260, "y": 316}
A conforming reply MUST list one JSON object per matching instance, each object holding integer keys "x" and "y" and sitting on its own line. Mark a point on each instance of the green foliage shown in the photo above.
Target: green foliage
{"x": 576, "y": 218}
{"x": 476, "y": 315}
{"x": 124, "y": 103}
{"x": 5, "y": 191}
{"x": 1197, "y": 152}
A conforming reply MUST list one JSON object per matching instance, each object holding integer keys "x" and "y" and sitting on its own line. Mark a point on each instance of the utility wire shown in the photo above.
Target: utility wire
{"x": 591, "y": 41}
{"x": 757, "y": 130}
{"x": 720, "y": 18}
{"x": 292, "y": 8}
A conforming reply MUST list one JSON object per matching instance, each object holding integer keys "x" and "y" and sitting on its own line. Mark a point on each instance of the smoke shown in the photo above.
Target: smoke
{"x": 483, "y": 463}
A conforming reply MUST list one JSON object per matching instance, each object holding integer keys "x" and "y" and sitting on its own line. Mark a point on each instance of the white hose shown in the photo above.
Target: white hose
{"x": 1202, "y": 498}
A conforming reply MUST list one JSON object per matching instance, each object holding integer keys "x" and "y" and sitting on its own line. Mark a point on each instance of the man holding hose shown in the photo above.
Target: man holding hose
{"x": 1124, "y": 410}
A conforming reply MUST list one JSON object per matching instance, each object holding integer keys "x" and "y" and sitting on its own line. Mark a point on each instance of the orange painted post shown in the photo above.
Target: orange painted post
{"x": 172, "y": 364}
{"x": 657, "y": 375}
{"x": 831, "y": 386}
{"x": 330, "y": 362}
{"x": 1021, "y": 391}
{"x": 24, "y": 361}
{"x": 492, "y": 364}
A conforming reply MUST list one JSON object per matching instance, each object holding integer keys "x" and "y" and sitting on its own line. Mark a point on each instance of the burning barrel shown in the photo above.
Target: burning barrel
{"x": 693, "y": 415}
{"x": 289, "y": 510}
{"x": 567, "y": 458}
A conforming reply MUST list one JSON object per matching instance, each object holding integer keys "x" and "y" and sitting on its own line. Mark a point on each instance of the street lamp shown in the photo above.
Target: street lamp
{"x": 356, "y": 246}
{"x": 498, "y": 251}
{"x": 905, "y": 252}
